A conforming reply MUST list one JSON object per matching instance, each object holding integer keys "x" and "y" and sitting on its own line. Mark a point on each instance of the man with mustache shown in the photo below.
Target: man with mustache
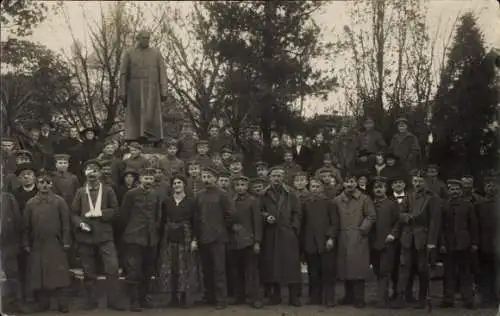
{"x": 93, "y": 210}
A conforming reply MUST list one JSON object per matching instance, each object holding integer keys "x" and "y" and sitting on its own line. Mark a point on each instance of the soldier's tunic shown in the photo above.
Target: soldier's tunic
{"x": 371, "y": 141}
{"x": 459, "y": 233}
{"x": 136, "y": 163}
{"x": 407, "y": 149}
{"x": 171, "y": 166}
{"x": 65, "y": 185}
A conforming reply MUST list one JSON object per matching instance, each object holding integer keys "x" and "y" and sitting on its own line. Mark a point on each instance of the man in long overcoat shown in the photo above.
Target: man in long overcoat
{"x": 280, "y": 243}
{"x": 405, "y": 145}
{"x": 46, "y": 237}
{"x": 143, "y": 86}
{"x": 356, "y": 214}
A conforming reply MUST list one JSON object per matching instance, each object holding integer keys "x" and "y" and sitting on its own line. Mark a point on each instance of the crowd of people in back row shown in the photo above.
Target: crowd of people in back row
{"x": 235, "y": 226}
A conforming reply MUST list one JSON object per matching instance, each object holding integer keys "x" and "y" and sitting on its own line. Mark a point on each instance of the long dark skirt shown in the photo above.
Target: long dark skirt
{"x": 179, "y": 271}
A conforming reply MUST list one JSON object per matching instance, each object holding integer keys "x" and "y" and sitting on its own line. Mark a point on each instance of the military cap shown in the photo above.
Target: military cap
{"x": 105, "y": 163}
{"x": 454, "y": 182}
{"x": 300, "y": 174}
{"x": 23, "y": 154}
{"x": 236, "y": 158}
{"x": 109, "y": 142}
{"x": 193, "y": 162}
{"x": 324, "y": 170}
{"x": 64, "y": 157}
{"x": 44, "y": 174}
{"x": 25, "y": 166}
{"x": 226, "y": 149}
{"x": 201, "y": 142}
{"x": 327, "y": 156}
{"x": 147, "y": 171}
{"x": 379, "y": 179}
{"x": 258, "y": 180}
{"x": 363, "y": 153}
{"x": 468, "y": 176}
{"x": 401, "y": 120}
{"x": 417, "y": 173}
{"x": 92, "y": 163}
{"x": 432, "y": 166}
{"x": 278, "y": 167}
{"x": 351, "y": 175}
{"x": 211, "y": 170}
{"x": 240, "y": 178}
{"x": 171, "y": 142}
{"x": 391, "y": 155}
{"x": 135, "y": 145}
{"x": 130, "y": 171}
{"x": 261, "y": 164}
{"x": 223, "y": 173}
{"x": 316, "y": 179}
{"x": 7, "y": 140}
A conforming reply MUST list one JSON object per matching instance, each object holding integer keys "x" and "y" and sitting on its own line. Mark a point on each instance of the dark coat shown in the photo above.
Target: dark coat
{"x": 11, "y": 229}
{"x": 280, "y": 241}
{"x": 65, "y": 185}
{"x": 386, "y": 223}
{"x": 291, "y": 169}
{"x": 248, "y": 230}
{"x": 118, "y": 167}
{"x": 356, "y": 215}
{"x": 487, "y": 215}
{"x": 273, "y": 156}
{"x": 422, "y": 222}
{"x": 22, "y": 197}
{"x": 459, "y": 225}
{"x": 318, "y": 152}
{"x": 102, "y": 229}
{"x": 407, "y": 149}
{"x": 344, "y": 149}
{"x": 437, "y": 186}
{"x": 172, "y": 166}
{"x": 140, "y": 214}
{"x": 137, "y": 163}
{"x": 302, "y": 157}
{"x": 46, "y": 232}
{"x": 371, "y": 141}
{"x": 320, "y": 222}
{"x": 213, "y": 215}
{"x": 187, "y": 148}
{"x": 11, "y": 182}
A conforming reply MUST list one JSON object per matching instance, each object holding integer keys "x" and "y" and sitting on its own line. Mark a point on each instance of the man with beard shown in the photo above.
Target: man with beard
{"x": 213, "y": 214}
{"x": 46, "y": 237}
{"x": 384, "y": 237}
{"x": 320, "y": 226}
{"x": 93, "y": 211}
{"x": 420, "y": 227}
{"x": 357, "y": 214}
{"x": 141, "y": 214}
{"x": 459, "y": 238}
{"x": 280, "y": 250}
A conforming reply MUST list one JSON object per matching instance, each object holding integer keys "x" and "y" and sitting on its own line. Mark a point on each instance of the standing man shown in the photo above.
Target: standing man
{"x": 356, "y": 214}
{"x": 420, "y": 227}
{"x": 93, "y": 210}
{"x": 370, "y": 140}
{"x": 143, "y": 86}
{"x": 405, "y": 146}
{"x": 280, "y": 242}
{"x": 141, "y": 214}
{"x": 301, "y": 153}
{"x": 213, "y": 214}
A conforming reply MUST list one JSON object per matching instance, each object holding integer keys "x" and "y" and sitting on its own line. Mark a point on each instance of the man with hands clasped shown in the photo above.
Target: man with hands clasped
{"x": 420, "y": 226}
{"x": 459, "y": 239}
{"x": 93, "y": 210}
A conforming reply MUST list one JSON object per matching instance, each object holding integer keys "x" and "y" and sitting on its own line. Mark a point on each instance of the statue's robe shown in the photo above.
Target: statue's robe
{"x": 143, "y": 81}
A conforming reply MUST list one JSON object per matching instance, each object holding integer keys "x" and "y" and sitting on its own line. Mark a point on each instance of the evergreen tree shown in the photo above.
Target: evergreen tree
{"x": 465, "y": 105}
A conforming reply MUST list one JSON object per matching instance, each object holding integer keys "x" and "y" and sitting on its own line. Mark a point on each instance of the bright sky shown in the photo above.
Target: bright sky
{"x": 55, "y": 34}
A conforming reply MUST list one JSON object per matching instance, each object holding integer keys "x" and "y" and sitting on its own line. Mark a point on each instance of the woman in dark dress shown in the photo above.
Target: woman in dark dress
{"x": 179, "y": 273}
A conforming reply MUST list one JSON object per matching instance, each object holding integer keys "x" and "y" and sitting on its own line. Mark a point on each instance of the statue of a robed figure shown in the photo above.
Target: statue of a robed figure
{"x": 143, "y": 88}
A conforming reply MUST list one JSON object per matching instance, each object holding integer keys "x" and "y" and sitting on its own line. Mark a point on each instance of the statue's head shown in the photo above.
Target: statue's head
{"x": 143, "y": 38}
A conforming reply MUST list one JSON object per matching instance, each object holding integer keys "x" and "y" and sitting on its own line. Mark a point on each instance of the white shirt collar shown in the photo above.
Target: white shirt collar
{"x": 401, "y": 195}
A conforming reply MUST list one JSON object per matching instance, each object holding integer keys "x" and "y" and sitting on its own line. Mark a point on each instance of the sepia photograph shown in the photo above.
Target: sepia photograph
{"x": 245, "y": 158}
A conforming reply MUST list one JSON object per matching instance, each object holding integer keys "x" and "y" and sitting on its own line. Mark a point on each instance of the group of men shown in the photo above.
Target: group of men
{"x": 347, "y": 208}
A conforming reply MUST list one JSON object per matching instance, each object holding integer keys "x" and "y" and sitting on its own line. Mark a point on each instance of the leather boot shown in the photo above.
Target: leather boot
{"x": 115, "y": 299}
{"x": 91, "y": 296}
{"x": 329, "y": 295}
{"x": 133, "y": 292}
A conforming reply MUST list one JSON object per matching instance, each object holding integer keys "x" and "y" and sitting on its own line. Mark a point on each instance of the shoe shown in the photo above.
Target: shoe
{"x": 257, "y": 304}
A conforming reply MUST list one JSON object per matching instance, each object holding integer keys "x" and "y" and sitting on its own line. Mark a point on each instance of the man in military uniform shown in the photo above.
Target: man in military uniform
{"x": 93, "y": 211}
{"x": 202, "y": 156}
{"x": 405, "y": 145}
{"x": 171, "y": 164}
{"x": 65, "y": 183}
{"x": 12, "y": 183}
{"x": 459, "y": 237}
{"x": 420, "y": 227}
{"x": 262, "y": 168}
{"x": 141, "y": 213}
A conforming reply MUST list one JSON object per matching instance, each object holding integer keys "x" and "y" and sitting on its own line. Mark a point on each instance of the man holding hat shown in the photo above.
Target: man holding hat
{"x": 357, "y": 215}
{"x": 93, "y": 210}
{"x": 141, "y": 214}
{"x": 420, "y": 228}
{"x": 244, "y": 244}
{"x": 46, "y": 238}
{"x": 459, "y": 240}
{"x": 405, "y": 145}
{"x": 213, "y": 214}
{"x": 384, "y": 238}
{"x": 280, "y": 241}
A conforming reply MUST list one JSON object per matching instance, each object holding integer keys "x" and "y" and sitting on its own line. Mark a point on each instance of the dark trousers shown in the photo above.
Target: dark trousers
{"x": 275, "y": 292}
{"x": 383, "y": 262}
{"x": 11, "y": 289}
{"x": 354, "y": 291}
{"x": 43, "y": 297}
{"x": 213, "y": 256}
{"x": 395, "y": 275}
{"x": 106, "y": 253}
{"x": 321, "y": 272}
{"x": 486, "y": 279}
{"x": 410, "y": 258}
{"x": 140, "y": 264}
{"x": 22, "y": 265}
{"x": 244, "y": 274}
{"x": 457, "y": 265}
